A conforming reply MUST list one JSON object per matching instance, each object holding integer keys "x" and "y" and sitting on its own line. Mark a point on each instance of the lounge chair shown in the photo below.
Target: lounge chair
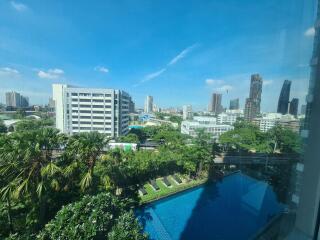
{"x": 154, "y": 185}
{"x": 166, "y": 181}
{"x": 177, "y": 179}
{"x": 143, "y": 191}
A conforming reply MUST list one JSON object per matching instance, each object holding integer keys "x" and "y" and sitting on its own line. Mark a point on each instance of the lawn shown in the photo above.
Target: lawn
{"x": 166, "y": 191}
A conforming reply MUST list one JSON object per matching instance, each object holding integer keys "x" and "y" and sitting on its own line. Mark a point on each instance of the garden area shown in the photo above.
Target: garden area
{"x": 40, "y": 189}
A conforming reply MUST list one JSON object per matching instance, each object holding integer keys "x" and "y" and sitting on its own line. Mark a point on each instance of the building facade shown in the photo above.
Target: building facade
{"x": 215, "y": 103}
{"x": 303, "y": 109}
{"x": 270, "y": 120}
{"x": 234, "y": 104}
{"x": 209, "y": 124}
{"x": 131, "y": 106}
{"x": 91, "y": 109}
{"x": 14, "y": 99}
{"x": 293, "y": 108}
{"x": 283, "y": 101}
{"x": 227, "y": 118}
{"x": 148, "y": 104}
{"x": 252, "y": 106}
{"x": 187, "y": 112}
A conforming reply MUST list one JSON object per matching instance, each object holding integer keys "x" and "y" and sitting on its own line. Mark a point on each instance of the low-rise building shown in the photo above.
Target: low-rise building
{"x": 270, "y": 120}
{"x": 209, "y": 124}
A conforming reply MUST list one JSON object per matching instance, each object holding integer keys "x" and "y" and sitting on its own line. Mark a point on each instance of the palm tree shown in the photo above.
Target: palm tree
{"x": 28, "y": 165}
{"x": 85, "y": 148}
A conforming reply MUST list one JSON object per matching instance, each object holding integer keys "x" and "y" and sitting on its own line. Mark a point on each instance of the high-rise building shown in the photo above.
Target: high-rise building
{"x": 148, "y": 104}
{"x": 187, "y": 112}
{"x": 215, "y": 103}
{"x": 294, "y": 104}
{"x": 131, "y": 106}
{"x": 14, "y": 99}
{"x": 252, "y": 106}
{"x": 283, "y": 102}
{"x": 234, "y": 104}
{"x": 303, "y": 109}
{"x": 24, "y": 101}
{"x": 91, "y": 109}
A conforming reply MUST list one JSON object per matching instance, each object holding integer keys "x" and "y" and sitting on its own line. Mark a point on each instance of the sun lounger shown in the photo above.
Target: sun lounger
{"x": 143, "y": 191}
{"x": 166, "y": 181}
{"x": 154, "y": 185}
{"x": 177, "y": 179}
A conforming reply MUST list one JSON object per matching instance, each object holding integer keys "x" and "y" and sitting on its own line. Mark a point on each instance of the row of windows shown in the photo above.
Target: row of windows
{"x": 89, "y": 128}
{"x": 91, "y": 100}
{"x": 89, "y": 94}
{"x": 89, "y": 117}
{"x": 89, "y": 111}
{"x": 89, "y": 106}
{"x": 84, "y": 122}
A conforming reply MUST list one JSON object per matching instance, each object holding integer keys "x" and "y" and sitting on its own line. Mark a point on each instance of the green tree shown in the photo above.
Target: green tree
{"x": 127, "y": 227}
{"x": 285, "y": 140}
{"x": 29, "y": 169}
{"x": 84, "y": 150}
{"x": 3, "y": 128}
{"x": 129, "y": 138}
{"x": 91, "y": 218}
{"x": 203, "y": 150}
{"x": 33, "y": 124}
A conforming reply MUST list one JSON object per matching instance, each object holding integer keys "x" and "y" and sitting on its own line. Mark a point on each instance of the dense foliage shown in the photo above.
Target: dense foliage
{"x": 247, "y": 137}
{"x": 41, "y": 170}
{"x": 93, "y": 217}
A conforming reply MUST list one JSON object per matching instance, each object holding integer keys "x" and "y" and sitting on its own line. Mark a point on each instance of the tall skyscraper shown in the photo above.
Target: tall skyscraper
{"x": 148, "y": 104}
{"x": 131, "y": 106}
{"x": 14, "y": 99}
{"x": 283, "y": 102}
{"x": 303, "y": 109}
{"x": 294, "y": 105}
{"x": 215, "y": 103}
{"x": 187, "y": 112}
{"x": 24, "y": 101}
{"x": 234, "y": 104}
{"x": 252, "y": 106}
{"x": 91, "y": 109}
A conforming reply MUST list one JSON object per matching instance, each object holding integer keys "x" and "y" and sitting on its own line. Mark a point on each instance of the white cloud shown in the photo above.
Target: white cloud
{"x": 51, "y": 73}
{"x": 224, "y": 88}
{"x": 20, "y": 7}
{"x": 154, "y": 75}
{"x": 210, "y": 81}
{"x": 172, "y": 62}
{"x": 310, "y": 32}
{"x": 182, "y": 54}
{"x": 8, "y": 71}
{"x": 267, "y": 82}
{"x": 101, "y": 69}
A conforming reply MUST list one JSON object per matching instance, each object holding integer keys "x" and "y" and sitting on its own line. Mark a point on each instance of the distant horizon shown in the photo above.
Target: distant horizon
{"x": 178, "y": 53}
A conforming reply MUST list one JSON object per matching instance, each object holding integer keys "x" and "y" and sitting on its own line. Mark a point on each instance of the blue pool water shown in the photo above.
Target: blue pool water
{"x": 235, "y": 208}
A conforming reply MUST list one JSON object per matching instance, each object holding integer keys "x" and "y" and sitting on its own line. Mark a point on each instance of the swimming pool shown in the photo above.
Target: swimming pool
{"x": 235, "y": 208}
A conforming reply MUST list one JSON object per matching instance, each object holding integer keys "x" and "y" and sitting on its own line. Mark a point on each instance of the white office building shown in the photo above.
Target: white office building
{"x": 91, "y": 109}
{"x": 270, "y": 120}
{"x": 227, "y": 118}
{"x": 209, "y": 124}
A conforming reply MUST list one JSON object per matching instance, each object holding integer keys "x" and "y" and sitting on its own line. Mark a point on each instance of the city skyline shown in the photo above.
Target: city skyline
{"x": 107, "y": 52}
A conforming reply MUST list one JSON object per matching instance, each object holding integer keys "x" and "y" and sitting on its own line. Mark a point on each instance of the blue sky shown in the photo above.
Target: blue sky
{"x": 177, "y": 51}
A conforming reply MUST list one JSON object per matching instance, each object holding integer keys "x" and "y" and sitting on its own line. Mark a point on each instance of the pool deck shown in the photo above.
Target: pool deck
{"x": 187, "y": 187}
